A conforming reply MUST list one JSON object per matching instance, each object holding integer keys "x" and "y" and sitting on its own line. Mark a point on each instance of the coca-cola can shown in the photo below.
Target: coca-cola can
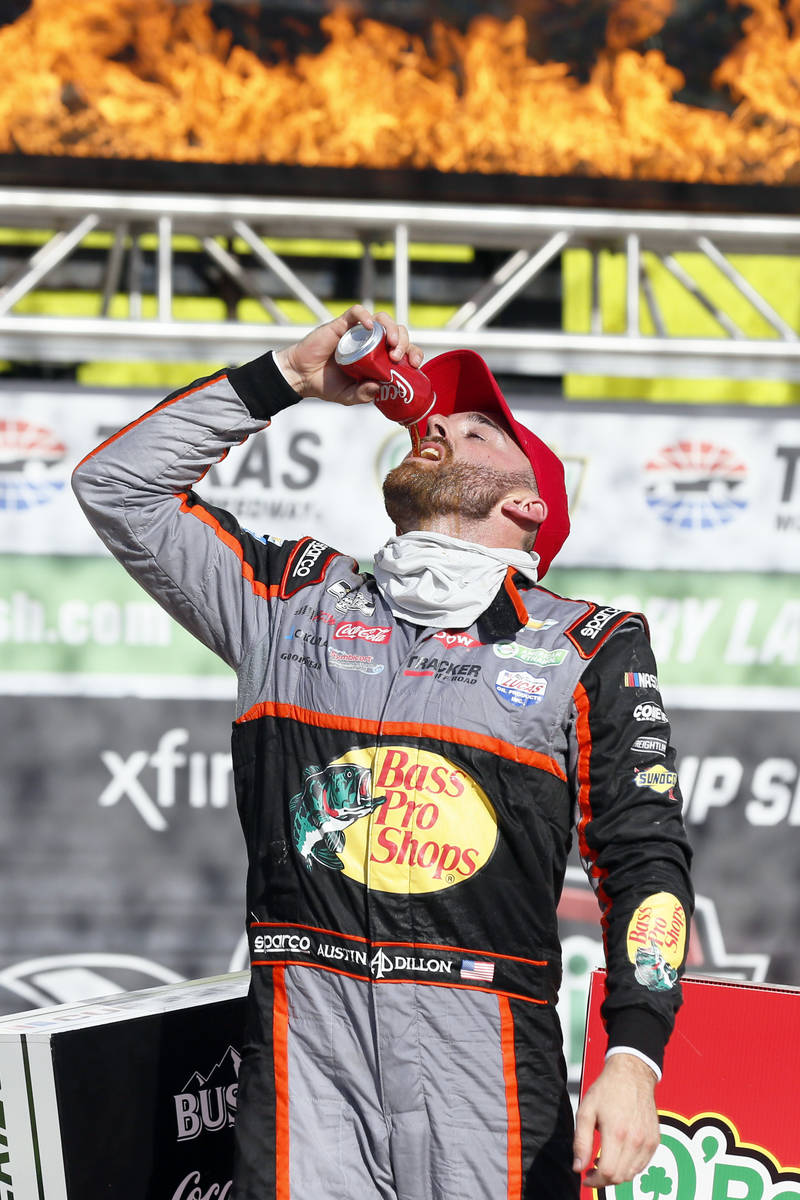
{"x": 406, "y": 394}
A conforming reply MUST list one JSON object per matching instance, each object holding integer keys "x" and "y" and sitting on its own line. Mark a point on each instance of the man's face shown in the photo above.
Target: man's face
{"x": 465, "y": 465}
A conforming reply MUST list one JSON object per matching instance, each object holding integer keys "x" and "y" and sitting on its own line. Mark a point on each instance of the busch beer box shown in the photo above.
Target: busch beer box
{"x": 728, "y": 1109}
{"x": 131, "y": 1097}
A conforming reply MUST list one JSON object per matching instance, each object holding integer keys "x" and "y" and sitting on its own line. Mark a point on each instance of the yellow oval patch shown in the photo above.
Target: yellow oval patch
{"x": 435, "y": 828}
{"x": 659, "y": 925}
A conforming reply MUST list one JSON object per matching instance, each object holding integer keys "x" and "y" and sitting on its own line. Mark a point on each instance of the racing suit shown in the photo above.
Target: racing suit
{"x": 407, "y": 797}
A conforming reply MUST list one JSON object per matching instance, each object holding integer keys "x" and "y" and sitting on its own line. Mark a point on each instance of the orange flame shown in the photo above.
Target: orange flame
{"x": 151, "y": 79}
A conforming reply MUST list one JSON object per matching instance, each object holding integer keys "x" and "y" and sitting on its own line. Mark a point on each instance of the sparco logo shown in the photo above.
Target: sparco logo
{"x": 275, "y": 943}
{"x": 368, "y": 633}
{"x": 705, "y": 1158}
{"x": 308, "y": 558}
{"x": 208, "y": 1102}
{"x": 598, "y": 621}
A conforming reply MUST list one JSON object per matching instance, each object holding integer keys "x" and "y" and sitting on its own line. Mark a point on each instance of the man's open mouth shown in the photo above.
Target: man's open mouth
{"x": 431, "y": 451}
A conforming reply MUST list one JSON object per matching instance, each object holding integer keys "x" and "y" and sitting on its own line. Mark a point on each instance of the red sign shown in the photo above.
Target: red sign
{"x": 727, "y": 1102}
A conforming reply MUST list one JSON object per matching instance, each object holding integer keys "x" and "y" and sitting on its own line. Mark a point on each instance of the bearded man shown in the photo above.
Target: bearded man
{"x": 408, "y": 807}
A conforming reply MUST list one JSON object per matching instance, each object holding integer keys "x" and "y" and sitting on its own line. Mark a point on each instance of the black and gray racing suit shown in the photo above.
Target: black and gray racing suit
{"x": 408, "y": 797}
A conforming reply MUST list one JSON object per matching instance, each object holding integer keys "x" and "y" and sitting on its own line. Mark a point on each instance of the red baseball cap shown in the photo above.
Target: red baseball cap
{"x": 463, "y": 383}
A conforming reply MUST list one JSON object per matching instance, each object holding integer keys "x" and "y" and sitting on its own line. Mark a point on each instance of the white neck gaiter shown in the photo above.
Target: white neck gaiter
{"x": 434, "y": 579}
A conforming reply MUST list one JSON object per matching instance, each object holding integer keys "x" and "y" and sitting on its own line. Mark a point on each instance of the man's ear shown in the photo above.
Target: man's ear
{"x": 526, "y": 509}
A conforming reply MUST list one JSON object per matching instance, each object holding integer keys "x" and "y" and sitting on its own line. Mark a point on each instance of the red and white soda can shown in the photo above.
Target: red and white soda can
{"x": 406, "y": 395}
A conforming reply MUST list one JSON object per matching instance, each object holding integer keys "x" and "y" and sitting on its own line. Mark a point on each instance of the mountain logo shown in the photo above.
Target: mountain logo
{"x": 207, "y": 1103}
{"x": 30, "y": 456}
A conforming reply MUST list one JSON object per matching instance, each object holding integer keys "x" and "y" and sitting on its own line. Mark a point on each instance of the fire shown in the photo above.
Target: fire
{"x": 154, "y": 79}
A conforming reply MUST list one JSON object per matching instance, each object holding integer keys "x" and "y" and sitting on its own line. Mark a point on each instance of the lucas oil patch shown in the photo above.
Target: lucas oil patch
{"x": 431, "y": 825}
{"x": 520, "y": 688}
{"x": 656, "y": 940}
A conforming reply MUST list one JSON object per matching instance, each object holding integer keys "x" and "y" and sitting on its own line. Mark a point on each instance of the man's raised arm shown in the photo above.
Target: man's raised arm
{"x": 137, "y": 487}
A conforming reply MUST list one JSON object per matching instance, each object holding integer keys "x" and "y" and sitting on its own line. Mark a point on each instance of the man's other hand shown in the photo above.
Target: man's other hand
{"x": 310, "y": 368}
{"x": 621, "y": 1105}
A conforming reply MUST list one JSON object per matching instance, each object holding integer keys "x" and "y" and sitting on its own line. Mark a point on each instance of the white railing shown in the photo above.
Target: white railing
{"x": 527, "y": 238}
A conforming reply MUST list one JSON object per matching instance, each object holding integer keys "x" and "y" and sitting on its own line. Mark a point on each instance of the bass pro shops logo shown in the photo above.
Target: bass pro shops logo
{"x": 656, "y": 941}
{"x": 705, "y": 1160}
{"x": 419, "y": 808}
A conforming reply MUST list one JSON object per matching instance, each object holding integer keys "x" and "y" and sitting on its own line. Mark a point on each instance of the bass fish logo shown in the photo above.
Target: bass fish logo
{"x": 430, "y": 824}
{"x": 656, "y": 940}
{"x": 332, "y": 798}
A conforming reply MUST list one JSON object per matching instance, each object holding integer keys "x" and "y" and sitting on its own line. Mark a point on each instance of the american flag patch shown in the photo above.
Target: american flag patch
{"x": 477, "y": 970}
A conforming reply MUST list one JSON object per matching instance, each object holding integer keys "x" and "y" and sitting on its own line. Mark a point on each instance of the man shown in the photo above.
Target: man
{"x": 407, "y": 768}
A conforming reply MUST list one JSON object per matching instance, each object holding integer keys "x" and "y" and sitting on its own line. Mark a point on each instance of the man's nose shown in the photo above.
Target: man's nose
{"x": 437, "y": 426}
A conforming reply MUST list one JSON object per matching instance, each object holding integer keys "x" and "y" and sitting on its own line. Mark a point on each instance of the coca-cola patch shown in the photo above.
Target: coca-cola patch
{"x": 350, "y": 630}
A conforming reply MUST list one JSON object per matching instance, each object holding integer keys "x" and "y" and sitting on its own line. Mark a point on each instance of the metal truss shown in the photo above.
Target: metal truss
{"x": 523, "y": 240}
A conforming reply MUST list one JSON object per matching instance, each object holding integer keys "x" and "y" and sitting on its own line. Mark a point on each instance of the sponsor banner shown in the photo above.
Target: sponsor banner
{"x": 82, "y": 624}
{"x": 690, "y": 489}
{"x": 86, "y": 616}
{"x": 686, "y": 490}
{"x": 282, "y": 484}
{"x": 731, "y": 631}
{"x": 124, "y": 809}
{"x": 130, "y": 1097}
